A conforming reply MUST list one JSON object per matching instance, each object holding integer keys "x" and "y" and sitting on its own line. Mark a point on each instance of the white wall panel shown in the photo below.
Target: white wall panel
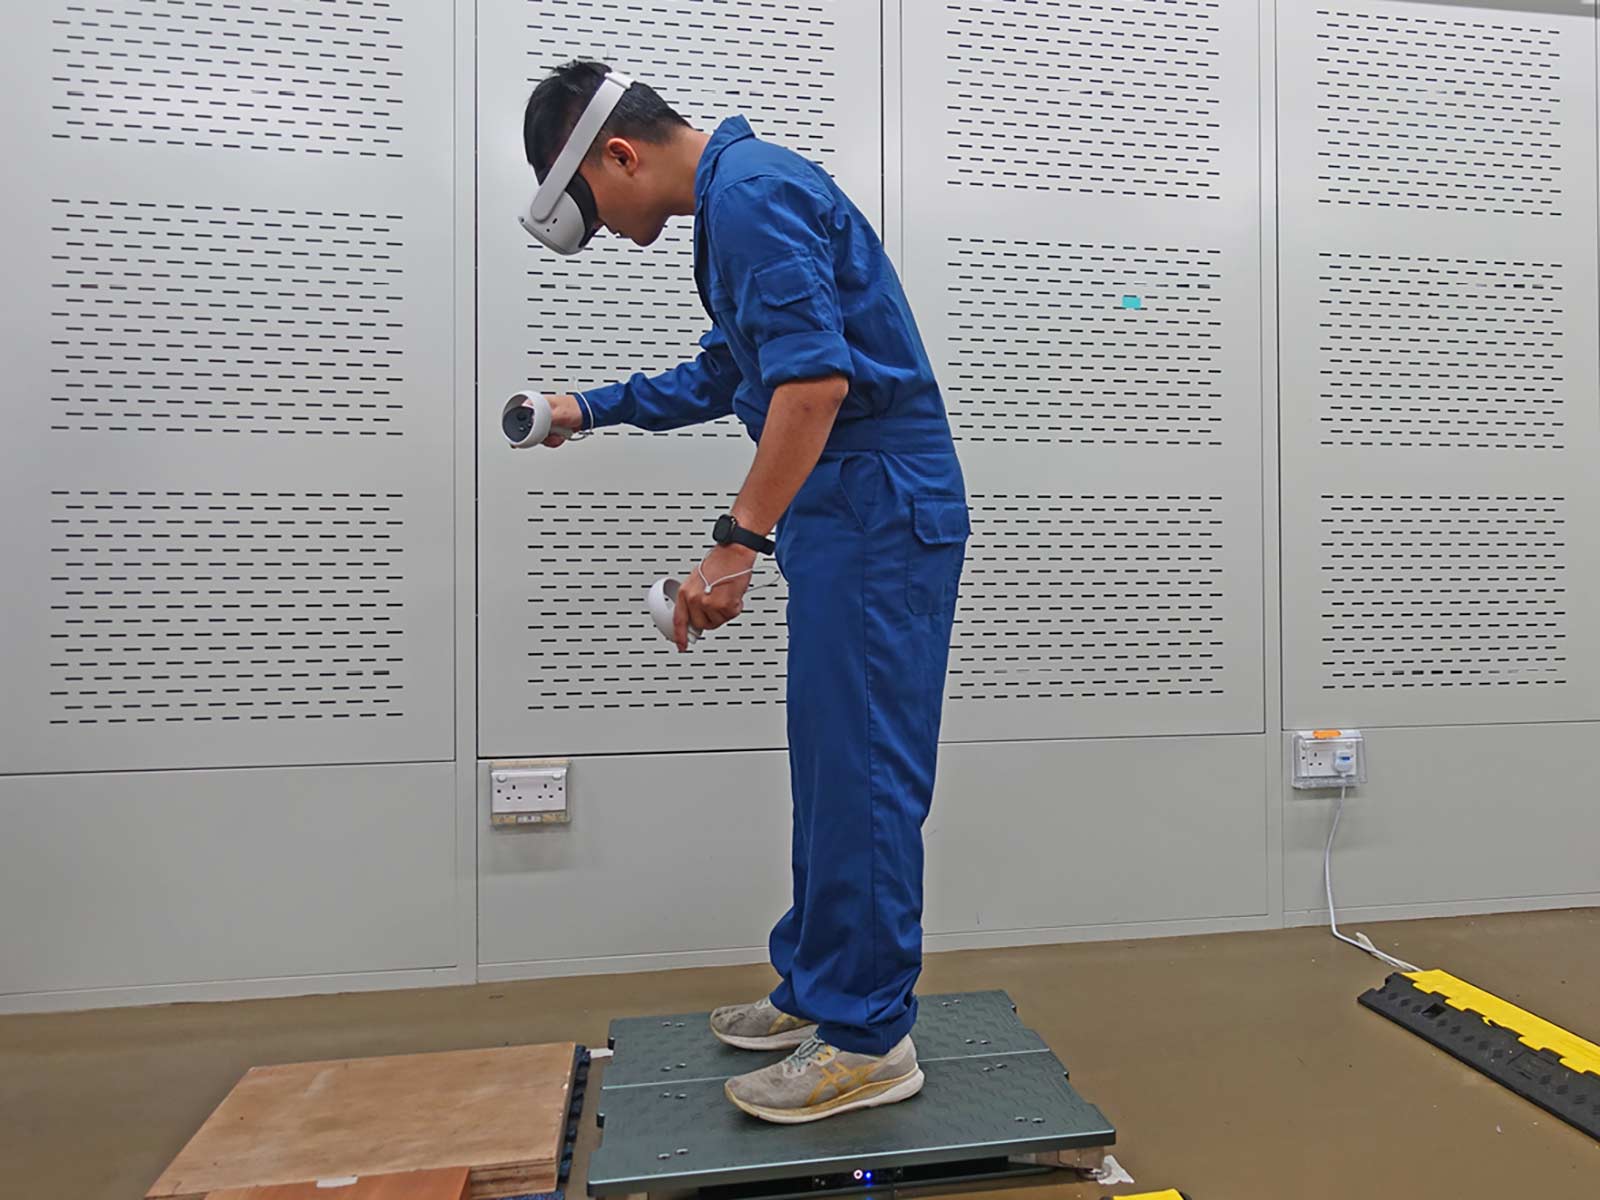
{"x": 152, "y": 878}
{"x": 227, "y": 466}
{"x": 666, "y": 855}
{"x": 1454, "y": 817}
{"x": 1081, "y": 231}
{"x": 672, "y": 859}
{"x": 1441, "y": 386}
{"x": 570, "y": 542}
{"x": 1056, "y": 835}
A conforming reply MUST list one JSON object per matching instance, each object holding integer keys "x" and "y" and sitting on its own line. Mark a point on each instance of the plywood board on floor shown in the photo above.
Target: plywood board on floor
{"x": 451, "y": 1184}
{"x": 500, "y": 1113}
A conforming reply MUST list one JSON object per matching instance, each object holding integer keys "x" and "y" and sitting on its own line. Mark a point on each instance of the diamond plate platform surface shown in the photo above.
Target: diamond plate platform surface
{"x": 680, "y": 1049}
{"x": 994, "y": 1090}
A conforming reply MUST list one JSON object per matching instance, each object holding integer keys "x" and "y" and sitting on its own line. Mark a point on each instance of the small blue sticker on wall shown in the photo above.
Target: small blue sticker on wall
{"x": 1132, "y": 302}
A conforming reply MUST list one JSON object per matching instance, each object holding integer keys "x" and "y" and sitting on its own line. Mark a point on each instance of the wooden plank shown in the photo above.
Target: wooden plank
{"x": 452, "y": 1184}
{"x": 500, "y": 1113}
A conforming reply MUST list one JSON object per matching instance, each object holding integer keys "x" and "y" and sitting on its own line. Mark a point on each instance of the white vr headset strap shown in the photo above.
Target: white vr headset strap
{"x": 577, "y": 145}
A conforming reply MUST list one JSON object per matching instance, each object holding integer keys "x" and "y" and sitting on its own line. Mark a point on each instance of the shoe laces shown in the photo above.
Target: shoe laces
{"x": 810, "y": 1051}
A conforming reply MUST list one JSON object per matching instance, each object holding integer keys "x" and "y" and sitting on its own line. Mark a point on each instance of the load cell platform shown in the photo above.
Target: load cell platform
{"x": 997, "y": 1105}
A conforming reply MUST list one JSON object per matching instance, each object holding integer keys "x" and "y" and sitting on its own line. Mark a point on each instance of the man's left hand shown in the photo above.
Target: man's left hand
{"x": 724, "y": 602}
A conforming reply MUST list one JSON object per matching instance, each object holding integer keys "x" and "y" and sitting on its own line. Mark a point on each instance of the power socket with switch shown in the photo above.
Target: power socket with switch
{"x": 528, "y": 792}
{"x": 1329, "y": 758}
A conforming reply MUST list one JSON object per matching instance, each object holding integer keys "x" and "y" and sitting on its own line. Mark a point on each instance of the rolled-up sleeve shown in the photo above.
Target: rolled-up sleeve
{"x": 770, "y": 240}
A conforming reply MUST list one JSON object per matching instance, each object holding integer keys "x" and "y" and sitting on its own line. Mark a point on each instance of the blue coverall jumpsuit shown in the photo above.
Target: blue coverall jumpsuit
{"x": 799, "y": 287}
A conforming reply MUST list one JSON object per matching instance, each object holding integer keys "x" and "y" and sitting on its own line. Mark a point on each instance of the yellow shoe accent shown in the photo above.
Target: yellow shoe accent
{"x": 843, "y": 1081}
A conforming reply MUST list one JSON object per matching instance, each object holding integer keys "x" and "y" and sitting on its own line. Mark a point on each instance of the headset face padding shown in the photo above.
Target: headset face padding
{"x": 583, "y": 196}
{"x": 568, "y": 228}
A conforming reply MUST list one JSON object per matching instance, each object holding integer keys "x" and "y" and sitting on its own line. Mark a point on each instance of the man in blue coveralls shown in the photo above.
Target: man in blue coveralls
{"x": 814, "y": 348}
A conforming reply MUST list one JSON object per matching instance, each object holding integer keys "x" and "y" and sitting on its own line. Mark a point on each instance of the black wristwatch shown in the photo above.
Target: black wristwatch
{"x": 727, "y": 532}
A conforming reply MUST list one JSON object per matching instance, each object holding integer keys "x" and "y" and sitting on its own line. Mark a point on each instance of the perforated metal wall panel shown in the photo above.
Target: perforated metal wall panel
{"x": 302, "y": 76}
{"x": 1124, "y": 597}
{"x": 571, "y": 541}
{"x": 1081, "y": 204}
{"x": 1440, "y": 379}
{"x": 227, "y": 468}
{"x": 204, "y": 318}
{"x": 1124, "y": 92}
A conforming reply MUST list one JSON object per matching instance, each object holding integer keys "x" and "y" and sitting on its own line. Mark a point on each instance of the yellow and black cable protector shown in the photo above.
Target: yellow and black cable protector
{"x": 1557, "y": 1070}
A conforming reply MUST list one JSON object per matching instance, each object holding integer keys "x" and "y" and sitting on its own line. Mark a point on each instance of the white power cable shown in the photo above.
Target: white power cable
{"x": 1361, "y": 941}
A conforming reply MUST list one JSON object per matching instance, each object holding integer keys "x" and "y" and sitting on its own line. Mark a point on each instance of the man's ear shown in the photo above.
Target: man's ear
{"x": 621, "y": 153}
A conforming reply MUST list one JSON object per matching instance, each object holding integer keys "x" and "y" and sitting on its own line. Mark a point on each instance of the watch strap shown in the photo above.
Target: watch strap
{"x": 739, "y": 535}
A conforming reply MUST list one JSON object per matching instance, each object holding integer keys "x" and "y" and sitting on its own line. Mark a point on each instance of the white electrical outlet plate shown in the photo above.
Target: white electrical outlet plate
{"x": 1329, "y": 758}
{"x": 528, "y": 793}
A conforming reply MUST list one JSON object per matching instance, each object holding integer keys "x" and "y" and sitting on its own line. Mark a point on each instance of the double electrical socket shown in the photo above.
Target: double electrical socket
{"x": 528, "y": 792}
{"x": 1329, "y": 758}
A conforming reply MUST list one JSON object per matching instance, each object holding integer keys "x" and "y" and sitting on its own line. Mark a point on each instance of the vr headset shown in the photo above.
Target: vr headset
{"x": 563, "y": 214}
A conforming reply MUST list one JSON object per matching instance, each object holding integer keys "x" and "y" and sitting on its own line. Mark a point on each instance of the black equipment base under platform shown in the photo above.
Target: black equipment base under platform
{"x": 996, "y": 1103}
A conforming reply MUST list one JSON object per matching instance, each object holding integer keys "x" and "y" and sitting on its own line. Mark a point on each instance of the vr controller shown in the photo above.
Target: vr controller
{"x": 526, "y": 421}
{"x": 663, "y": 602}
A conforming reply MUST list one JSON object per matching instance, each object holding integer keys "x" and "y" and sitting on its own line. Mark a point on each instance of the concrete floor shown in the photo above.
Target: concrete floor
{"x": 1235, "y": 1067}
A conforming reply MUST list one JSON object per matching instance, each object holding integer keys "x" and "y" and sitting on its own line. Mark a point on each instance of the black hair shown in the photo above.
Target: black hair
{"x": 559, "y": 100}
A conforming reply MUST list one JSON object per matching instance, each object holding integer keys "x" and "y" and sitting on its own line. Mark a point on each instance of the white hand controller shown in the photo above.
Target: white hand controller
{"x": 526, "y": 420}
{"x": 663, "y": 603}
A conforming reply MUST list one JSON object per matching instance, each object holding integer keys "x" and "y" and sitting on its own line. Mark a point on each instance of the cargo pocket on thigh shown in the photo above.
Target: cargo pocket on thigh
{"x": 940, "y": 525}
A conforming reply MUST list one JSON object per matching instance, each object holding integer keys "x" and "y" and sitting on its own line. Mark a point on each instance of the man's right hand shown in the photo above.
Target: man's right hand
{"x": 565, "y": 413}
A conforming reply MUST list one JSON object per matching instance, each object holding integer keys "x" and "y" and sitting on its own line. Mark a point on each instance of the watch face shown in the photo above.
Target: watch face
{"x": 722, "y": 532}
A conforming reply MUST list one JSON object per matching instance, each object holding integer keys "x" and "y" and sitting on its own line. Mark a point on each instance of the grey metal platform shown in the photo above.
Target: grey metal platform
{"x": 997, "y": 1102}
